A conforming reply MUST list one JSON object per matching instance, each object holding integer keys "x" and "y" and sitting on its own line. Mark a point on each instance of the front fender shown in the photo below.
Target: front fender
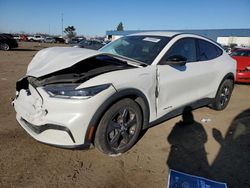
{"x": 132, "y": 93}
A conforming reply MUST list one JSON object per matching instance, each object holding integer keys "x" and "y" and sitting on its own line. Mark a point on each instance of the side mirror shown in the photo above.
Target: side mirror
{"x": 176, "y": 60}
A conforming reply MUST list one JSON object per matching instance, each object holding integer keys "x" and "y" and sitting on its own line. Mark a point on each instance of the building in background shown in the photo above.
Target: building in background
{"x": 223, "y": 36}
{"x": 239, "y": 41}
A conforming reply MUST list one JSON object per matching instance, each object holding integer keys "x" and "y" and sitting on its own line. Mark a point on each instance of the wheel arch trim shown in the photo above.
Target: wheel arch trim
{"x": 230, "y": 76}
{"x": 136, "y": 95}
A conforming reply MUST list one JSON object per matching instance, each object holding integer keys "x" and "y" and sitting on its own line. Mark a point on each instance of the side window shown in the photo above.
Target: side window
{"x": 184, "y": 47}
{"x": 208, "y": 50}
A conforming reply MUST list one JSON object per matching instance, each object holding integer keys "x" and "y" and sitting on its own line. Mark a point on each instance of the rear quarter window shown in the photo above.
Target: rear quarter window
{"x": 207, "y": 50}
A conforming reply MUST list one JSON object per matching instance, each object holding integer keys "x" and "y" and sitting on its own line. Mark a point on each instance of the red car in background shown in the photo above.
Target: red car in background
{"x": 242, "y": 56}
{"x": 23, "y": 38}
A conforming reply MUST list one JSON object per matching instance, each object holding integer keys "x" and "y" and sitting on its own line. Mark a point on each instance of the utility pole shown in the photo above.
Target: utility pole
{"x": 62, "y": 24}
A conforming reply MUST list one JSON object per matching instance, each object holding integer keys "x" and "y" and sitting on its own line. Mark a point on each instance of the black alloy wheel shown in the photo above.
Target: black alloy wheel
{"x": 223, "y": 95}
{"x": 4, "y": 46}
{"x": 119, "y": 128}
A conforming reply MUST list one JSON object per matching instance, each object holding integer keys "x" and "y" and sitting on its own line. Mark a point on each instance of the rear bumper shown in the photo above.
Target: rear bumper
{"x": 243, "y": 77}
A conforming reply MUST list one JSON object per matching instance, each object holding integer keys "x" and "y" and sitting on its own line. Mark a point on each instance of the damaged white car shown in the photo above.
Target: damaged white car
{"x": 74, "y": 97}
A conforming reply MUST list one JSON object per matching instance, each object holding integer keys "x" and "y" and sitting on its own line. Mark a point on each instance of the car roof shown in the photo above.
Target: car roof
{"x": 173, "y": 34}
{"x": 164, "y": 34}
{"x": 6, "y": 36}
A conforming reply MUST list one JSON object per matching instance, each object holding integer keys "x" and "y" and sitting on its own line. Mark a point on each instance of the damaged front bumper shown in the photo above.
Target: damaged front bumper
{"x": 56, "y": 121}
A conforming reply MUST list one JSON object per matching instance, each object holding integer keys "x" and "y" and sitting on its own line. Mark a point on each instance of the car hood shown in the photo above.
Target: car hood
{"x": 53, "y": 59}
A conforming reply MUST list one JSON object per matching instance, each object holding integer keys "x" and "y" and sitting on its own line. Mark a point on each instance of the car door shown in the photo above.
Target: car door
{"x": 210, "y": 64}
{"x": 178, "y": 85}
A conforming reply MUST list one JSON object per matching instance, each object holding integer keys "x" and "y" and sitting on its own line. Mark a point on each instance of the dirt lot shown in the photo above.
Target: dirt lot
{"x": 219, "y": 149}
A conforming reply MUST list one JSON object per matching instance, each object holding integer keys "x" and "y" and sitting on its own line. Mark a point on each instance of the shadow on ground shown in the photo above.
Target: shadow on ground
{"x": 232, "y": 164}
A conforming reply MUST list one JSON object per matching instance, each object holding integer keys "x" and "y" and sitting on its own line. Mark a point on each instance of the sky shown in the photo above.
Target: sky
{"x": 95, "y": 17}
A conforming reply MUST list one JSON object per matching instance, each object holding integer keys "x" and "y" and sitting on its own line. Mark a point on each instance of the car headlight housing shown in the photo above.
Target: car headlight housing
{"x": 71, "y": 91}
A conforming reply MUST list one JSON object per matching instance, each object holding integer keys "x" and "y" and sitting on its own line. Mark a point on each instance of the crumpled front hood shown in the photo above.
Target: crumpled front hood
{"x": 53, "y": 59}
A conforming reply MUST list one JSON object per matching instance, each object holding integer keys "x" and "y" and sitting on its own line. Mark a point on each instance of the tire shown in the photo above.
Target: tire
{"x": 223, "y": 95}
{"x": 119, "y": 127}
{"x": 4, "y": 46}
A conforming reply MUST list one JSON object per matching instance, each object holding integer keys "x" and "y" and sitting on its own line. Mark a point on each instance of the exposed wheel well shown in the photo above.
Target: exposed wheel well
{"x": 229, "y": 76}
{"x": 135, "y": 95}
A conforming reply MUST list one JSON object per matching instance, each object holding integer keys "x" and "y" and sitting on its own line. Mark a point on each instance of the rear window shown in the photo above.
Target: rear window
{"x": 207, "y": 50}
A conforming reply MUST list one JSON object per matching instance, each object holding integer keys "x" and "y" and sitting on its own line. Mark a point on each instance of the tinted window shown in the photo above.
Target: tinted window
{"x": 96, "y": 42}
{"x": 208, "y": 50}
{"x": 183, "y": 47}
{"x": 241, "y": 53}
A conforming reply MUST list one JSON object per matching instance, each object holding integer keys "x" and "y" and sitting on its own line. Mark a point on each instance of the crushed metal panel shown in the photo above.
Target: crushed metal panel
{"x": 53, "y": 59}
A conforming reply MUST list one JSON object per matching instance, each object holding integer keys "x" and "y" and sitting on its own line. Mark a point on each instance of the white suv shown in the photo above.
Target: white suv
{"x": 73, "y": 97}
{"x": 36, "y": 38}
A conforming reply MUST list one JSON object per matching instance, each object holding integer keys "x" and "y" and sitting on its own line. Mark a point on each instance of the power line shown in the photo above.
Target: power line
{"x": 62, "y": 24}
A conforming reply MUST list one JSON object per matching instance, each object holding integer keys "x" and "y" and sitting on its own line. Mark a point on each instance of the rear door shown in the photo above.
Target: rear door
{"x": 210, "y": 64}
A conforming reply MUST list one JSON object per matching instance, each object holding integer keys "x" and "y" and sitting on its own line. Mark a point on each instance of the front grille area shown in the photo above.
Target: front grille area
{"x": 245, "y": 70}
{"x": 244, "y": 78}
{"x": 34, "y": 128}
{"x": 40, "y": 129}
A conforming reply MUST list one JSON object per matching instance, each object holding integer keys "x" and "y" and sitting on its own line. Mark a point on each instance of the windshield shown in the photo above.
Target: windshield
{"x": 83, "y": 42}
{"x": 140, "y": 48}
{"x": 241, "y": 53}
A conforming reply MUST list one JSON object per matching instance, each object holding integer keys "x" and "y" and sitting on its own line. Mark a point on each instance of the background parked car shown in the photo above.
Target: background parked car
{"x": 74, "y": 41}
{"x": 36, "y": 38}
{"x": 242, "y": 56}
{"x": 23, "y": 38}
{"x": 49, "y": 40}
{"x": 59, "y": 40}
{"x": 237, "y": 48}
{"x": 16, "y": 37}
{"x": 89, "y": 44}
{"x": 7, "y": 42}
{"x": 20, "y": 37}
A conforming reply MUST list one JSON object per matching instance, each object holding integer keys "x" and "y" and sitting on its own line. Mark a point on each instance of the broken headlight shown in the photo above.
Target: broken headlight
{"x": 71, "y": 91}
